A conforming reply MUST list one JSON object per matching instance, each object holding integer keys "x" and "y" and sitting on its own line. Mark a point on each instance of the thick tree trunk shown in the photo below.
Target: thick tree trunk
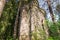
{"x": 24, "y": 24}
{"x": 2, "y": 3}
{"x": 32, "y": 20}
{"x": 37, "y": 22}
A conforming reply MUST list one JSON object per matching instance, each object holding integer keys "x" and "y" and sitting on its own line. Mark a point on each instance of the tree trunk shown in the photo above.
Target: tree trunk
{"x": 24, "y": 24}
{"x": 37, "y": 22}
{"x": 50, "y": 10}
{"x": 32, "y": 19}
{"x": 2, "y": 4}
{"x": 16, "y": 22}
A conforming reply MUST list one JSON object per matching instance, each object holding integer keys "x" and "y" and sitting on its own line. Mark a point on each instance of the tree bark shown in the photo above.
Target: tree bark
{"x": 50, "y": 10}
{"x": 16, "y": 22}
{"x": 37, "y": 21}
{"x": 24, "y": 24}
{"x": 2, "y": 4}
{"x": 32, "y": 20}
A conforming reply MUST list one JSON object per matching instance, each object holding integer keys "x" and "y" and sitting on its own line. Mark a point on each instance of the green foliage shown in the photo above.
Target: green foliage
{"x": 7, "y": 20}
{"x": 38, "y": 34}
{"x": 50, "y": 38}
{"x": 54, "y": 32}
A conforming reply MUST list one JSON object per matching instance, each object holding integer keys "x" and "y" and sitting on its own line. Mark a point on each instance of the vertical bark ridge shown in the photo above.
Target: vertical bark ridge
{"x": 16, "y": 22}
{"x": 24, "y": 25}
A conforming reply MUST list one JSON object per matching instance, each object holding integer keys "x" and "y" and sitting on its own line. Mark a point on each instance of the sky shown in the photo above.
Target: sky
{"x": 43, "y": 5}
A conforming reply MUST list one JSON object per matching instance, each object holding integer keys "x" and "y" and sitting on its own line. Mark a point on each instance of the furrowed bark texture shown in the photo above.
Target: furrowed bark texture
{"x": 24, "y": 25}
{"x": 37, "y": 22}
{"x": 33, "y": 18}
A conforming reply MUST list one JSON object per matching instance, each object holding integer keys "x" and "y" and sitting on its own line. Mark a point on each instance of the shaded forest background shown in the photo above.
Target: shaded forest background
{"x": 25, "y": 20}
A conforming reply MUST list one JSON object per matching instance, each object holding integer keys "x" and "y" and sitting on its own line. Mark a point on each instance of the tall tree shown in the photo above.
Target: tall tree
{"x": 2, "y": 4}
{"x": 31, "y": 16}
{"x": 38, "y": 19}
{"x": 50, "y": 10}
{"x": 24, "y": 25}
{"x": 24, "y": 21}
